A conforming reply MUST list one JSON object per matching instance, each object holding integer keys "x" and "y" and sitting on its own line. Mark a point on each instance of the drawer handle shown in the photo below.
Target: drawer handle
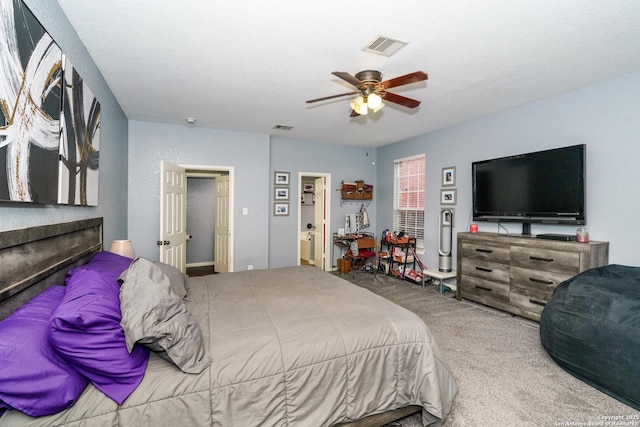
{"x": 532, "y": 301}
{"x": 488, "y": 270}
{"x": 537, "y": 258}
{"x": 544, "y": 282}
{"x": 483, "y": 288}
{"x": 486, "y": 251}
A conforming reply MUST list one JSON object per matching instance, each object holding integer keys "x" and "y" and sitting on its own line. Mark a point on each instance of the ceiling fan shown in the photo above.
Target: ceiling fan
{"x": 372, "y": 90}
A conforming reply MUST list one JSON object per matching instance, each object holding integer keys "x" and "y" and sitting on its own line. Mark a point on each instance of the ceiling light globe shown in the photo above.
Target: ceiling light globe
{"x": 374, "y": 100}
{"x": 359, "y": 106}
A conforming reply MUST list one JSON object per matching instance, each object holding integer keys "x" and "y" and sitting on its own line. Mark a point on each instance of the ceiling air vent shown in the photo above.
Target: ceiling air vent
{"x": 383, "y": 45}
{"x": 283, "y": 127}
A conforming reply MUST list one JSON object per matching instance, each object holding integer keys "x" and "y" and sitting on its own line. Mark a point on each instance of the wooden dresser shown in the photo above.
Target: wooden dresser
{"x": 517, "y": 273}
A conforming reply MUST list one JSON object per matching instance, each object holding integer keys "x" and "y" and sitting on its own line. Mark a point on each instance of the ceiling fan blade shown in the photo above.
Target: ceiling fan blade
{"x": 348, "y": 78}
{"x": 399, "y": 99}
{"x": 418, "y": 76}
{"x": 331, "y": 97}
{"x": 354, "y": 113}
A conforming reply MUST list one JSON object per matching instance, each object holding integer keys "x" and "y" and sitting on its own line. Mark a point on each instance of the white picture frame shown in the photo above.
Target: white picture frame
{"x": 448, "y": 196}
{"x": 281, "y": 209}
{"x": 449, "y": 176}
{"x": 281, "y": 193}
{"x": 281, "y": 178}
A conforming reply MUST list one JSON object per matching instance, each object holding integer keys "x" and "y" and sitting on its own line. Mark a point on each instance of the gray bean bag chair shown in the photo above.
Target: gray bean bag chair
{"x": 591, "y": 328}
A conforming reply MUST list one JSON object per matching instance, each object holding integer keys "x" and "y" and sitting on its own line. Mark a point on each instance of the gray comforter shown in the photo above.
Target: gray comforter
{"x": 290, "y": 347}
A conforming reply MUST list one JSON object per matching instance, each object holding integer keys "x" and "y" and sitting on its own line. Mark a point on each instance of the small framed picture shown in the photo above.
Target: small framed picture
{"x": 308, "y": 188}
{"x": 448, "y": 196}
{"x": 446, "y": 216}
{"x": 281, "y": 178}
{"x": 281, "y": 193}
{"x": 281, "y": 209}
{"x": 449, "y": 176}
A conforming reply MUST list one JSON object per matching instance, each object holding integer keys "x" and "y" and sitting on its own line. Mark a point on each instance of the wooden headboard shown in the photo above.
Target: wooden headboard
{"x": 34, "y": 258}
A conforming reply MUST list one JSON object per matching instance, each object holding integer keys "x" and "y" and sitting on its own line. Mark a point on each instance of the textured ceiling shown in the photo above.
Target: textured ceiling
{"x": 249, "y": 65}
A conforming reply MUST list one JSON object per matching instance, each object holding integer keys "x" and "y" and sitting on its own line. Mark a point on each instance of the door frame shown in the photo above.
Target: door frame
{"x": 327, "y": 237}
{"x": 209, "y": 170}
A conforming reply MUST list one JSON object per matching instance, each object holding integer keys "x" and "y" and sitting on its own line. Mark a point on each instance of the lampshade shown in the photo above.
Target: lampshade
{"x": 358, "y": 105}
{"x": 373, "y": 101}
{"x": 122, "y": 247}
{"x": 379, "y": 107}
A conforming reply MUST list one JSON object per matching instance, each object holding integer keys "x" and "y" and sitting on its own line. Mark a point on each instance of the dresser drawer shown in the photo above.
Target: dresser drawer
{"x": 566, "y": 262}
{"x": 486, "y": 290}
{"x": 537, "y": 280}
{"x": 488, "y": 251}
{"x": 529, "y": 300}
{"x": 494, "y": 271}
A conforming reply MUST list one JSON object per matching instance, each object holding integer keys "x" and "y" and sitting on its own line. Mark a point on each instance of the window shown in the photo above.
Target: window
{"x": 408, "y": 197}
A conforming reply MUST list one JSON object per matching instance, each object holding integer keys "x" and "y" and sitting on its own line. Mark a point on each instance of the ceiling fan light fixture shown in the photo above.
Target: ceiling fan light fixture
{"x": 373, "y": 101}
{"x": 379, "y": 107}
{"x": 359, "y": 105}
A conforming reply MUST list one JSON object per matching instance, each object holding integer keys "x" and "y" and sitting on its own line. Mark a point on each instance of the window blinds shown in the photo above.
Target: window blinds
{"x": 408, "y": 198}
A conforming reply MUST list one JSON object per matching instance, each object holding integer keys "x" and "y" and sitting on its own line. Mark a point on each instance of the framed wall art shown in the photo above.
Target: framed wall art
{"x": 281, "y": 193}
{"x": 281, "y": 178}
{"x": 448, "y": 197}
{"x": 30, "y": 94}
{"x": 449, "y": 176}
{"x": 281, "y": 209}
{"x": 49, "y": 120}
{"x": 79, "y": 141}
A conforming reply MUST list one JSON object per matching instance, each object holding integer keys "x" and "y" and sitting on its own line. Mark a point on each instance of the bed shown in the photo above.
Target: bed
{"x": 291, "y": 346}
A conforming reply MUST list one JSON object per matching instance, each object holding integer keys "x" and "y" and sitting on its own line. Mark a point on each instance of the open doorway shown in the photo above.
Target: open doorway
{"x": 207, "y": 222}
{"x": 209, "y": 218}
{"x": 314, "y": 241}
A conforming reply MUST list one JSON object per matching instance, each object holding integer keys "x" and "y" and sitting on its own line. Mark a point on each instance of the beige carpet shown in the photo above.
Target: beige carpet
{"x": 505, "y": 376}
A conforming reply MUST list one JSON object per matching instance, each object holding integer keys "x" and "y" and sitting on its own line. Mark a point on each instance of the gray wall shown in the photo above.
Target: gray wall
{"x": 342, "y": 162}
{"x": 260, "y": 239}
{"x": 604, "y": 116}
{"x": 113, "y": 142}
{"x": 248, "y": 153}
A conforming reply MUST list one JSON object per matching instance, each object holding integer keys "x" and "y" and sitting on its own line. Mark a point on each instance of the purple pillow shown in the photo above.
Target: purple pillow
{"x": 33, "y": 378}
{"x": 109, "y": 265}
{"x": 85, "y": 330}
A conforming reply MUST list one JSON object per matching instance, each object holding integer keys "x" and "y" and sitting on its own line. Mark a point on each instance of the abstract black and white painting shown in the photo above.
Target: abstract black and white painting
{"x": 79, "y": 141}
{"x": 30, "y": 104}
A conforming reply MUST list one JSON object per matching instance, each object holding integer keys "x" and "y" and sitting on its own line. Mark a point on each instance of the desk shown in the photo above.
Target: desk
{"x": 439, "y": 275}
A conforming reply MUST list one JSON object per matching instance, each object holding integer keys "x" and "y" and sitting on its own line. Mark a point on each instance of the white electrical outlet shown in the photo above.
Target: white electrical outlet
{"x": 250, "y": 267}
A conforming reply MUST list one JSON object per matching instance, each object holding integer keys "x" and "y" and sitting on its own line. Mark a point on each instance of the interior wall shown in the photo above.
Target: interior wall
{"x": 346, "y": 163}
{"x": 604, "y": 116}
{"x": 112, "y": 202}
{"x": 247, "y": 153}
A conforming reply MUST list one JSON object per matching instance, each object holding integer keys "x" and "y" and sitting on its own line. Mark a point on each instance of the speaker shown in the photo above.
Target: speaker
{"x": 445, "y": 240}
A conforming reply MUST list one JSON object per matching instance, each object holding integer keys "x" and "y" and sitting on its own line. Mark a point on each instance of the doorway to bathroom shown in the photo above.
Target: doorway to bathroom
{"x": 313, "y": 220}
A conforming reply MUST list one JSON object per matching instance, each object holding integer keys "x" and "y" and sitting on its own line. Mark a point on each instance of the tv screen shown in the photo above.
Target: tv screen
{"x": 541, "y": 187}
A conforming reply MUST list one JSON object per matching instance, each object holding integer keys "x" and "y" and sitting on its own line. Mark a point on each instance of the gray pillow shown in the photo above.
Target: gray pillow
{"x": 154, "y": 316}
{"x": 179, "y": 281}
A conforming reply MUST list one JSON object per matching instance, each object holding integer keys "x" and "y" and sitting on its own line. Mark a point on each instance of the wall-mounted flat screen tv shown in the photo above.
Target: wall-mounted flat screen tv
{"x": 542, "y": 187}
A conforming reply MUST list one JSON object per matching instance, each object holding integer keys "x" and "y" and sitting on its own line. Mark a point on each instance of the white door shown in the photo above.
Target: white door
{"x": 173, "y": 215}
{"x": 221, "y": 242}
{"x": 319, "y": 231}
